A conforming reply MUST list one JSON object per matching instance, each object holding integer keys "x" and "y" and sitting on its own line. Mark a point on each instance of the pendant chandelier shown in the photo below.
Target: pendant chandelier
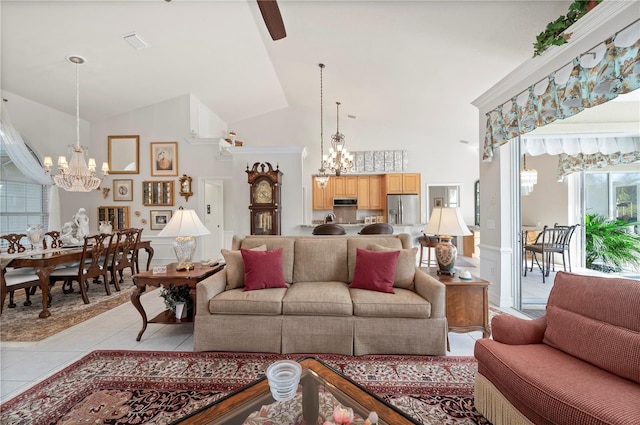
{"x": 322, "y": 178}
{"x": 339, "y": 159}
{"x": 527, "y": 178}
{"x": 76, "y": 175}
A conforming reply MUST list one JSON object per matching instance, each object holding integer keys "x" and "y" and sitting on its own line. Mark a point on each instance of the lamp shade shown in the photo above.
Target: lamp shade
{"x": 184, "y": 223}
{"x": 446, "y": 221}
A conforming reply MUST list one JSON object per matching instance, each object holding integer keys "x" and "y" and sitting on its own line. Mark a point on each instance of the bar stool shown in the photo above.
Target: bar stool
{"x": 428, "y": 242}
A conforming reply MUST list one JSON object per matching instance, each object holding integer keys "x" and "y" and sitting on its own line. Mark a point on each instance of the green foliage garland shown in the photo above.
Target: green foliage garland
{"x": 554, "y": 34}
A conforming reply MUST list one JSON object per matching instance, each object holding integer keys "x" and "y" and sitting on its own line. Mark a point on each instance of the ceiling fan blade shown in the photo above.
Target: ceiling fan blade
{"x": 272, "y": 18}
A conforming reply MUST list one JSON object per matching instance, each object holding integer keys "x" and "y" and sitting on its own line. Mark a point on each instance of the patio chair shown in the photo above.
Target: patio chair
{"x": 552, "y": 240}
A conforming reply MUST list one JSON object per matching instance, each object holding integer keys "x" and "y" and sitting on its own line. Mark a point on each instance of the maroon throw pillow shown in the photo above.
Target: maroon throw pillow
{"x": 262, "y": 269}
{"x": 375, "y": 270}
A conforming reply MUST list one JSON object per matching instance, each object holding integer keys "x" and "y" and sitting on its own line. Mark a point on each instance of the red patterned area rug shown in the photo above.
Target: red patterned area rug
{"x": 136, "y": 387}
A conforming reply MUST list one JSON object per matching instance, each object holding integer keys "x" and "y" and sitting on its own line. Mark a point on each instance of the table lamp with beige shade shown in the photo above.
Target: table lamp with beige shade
{"x": 446, "y": 222}
{"x": 184, "y": 226}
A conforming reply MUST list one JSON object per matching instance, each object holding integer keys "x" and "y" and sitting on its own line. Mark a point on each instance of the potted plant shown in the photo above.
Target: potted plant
{"x": 177, "y": 294}
{"x": 554, "y": 34}
{"x": 613, "y": 243}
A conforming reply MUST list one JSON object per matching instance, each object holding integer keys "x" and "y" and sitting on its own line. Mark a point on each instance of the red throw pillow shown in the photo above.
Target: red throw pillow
{"x": 375, "y": 270}
{"x": 263, "y": 269}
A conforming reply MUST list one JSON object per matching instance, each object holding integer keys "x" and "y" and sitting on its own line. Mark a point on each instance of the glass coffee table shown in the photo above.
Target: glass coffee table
{"x": 321, "y": 389}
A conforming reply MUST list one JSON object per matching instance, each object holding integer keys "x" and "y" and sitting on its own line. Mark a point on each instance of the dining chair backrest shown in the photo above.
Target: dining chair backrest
{"x": 126, "y": 241}
{"x": 555, "y": 238}
{"x": 13, "y": 241}
{"x": 95, "y": 255}
{"x": 54, "y": 236}
{"x": 570, "y": 231}
{"x": 125, "y": 250}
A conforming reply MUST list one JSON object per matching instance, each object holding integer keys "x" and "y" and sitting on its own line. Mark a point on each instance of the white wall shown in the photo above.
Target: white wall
{"x": 450, "y": 161}
{"x": 548, "y": 203}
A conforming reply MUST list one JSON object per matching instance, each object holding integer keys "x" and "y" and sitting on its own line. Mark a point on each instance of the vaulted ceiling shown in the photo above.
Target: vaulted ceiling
{"x": 407, "y": 62}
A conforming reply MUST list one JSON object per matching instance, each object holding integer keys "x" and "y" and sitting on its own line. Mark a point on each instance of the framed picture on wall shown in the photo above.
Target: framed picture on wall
{"x": 160, "y": 218}
{"x": 437, "y": 202}
{"x": 164, "y": 158}
{"x": 123, "y": 190}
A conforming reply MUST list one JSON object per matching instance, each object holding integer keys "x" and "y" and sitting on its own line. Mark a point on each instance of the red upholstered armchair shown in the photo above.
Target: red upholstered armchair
{"x": 578, "y": 364}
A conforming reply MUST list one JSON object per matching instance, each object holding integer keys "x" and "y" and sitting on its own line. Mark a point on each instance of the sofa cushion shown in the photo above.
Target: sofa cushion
{"x": 262, "y": 269}
{"x": 550, "y": 386}
{"x": 406, "y": 268}
{"x": 236, "y": 301}
{"x": 318, "y": 299}
{"x": 596, "y": 319}
{"x": 375, "y": 271}
{"x": 272, "y": 243}
{"x": 404, "y": 303}
{"x": 364, "y": 242}
{"x": 320, "y": 259}
{"x": 235, "y": 266}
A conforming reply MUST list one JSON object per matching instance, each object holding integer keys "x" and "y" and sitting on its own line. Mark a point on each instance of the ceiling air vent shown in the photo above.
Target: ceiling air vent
{"x": 135, "y": 41}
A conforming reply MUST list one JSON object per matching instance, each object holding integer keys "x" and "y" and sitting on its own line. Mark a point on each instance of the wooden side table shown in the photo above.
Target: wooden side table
{"x": 467, "y": 304}
{"x": 177, "y": 278}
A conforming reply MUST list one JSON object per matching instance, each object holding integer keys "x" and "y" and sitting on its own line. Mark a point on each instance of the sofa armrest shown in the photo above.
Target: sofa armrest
{"x": 516, "y": 331}
{"x": 209, "y": 288}
{"x": 432, "y": 290}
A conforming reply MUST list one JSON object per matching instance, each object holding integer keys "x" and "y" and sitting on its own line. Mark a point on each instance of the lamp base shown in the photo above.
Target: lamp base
{"x": 184, "y": 248}
{"x": 182, "y": 267}
{"x": 446, "y": 254}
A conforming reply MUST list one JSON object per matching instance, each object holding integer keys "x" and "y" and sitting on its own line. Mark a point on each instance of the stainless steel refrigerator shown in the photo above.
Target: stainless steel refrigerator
{"x": 403, "y": 209}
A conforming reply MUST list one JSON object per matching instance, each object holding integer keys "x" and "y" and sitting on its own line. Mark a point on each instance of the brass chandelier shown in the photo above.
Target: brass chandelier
{"x": 339, "y": 160}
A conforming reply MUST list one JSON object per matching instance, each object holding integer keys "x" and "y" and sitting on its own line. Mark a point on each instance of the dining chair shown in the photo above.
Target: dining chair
{"x": 124, "y": 254}
{"x": 377, "y": 229}
{"x": 21, "y": 278}
{"x": 94, "y": 263}
{"x": 329, "y": 229}
{"x": 54, "y": 236}
{"x": 14, "y": 279}
{"x": 552, "y": 240}
{"x": 13, "y": 241}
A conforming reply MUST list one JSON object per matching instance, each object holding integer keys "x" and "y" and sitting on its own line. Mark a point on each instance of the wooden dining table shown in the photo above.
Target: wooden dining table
{"x": 45, "y": 261}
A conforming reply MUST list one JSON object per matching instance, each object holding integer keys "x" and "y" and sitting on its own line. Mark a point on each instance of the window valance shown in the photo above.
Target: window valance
{"x": 609, "y": 69}
{"x": 578, "y": 153}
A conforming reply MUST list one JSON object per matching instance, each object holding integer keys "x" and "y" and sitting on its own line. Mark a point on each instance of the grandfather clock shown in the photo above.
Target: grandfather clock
{"x": 264, "y": 199}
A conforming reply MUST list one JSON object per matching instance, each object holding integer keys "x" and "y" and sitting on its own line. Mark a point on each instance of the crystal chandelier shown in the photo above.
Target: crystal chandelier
{"x": 322, "y": 178}
{"x": 76, "y": 175}
{"x": 339, "y": 159}
{"x": 527, "y": 178}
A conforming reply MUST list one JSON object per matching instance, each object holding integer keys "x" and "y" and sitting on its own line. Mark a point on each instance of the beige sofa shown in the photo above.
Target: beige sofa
{"x": 318, "y": 312}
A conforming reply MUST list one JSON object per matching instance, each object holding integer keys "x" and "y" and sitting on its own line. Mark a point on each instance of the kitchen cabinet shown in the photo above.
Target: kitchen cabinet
{"x": 370, "y": 193}
{"x": 322, "y": 198}
{"x": 402, "y": 183}
{"x": 345, "y": 186}
{"x": 377, "y": 197}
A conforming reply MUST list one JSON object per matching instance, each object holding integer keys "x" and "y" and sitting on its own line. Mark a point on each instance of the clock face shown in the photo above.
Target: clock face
{"x": 263, "y": 192}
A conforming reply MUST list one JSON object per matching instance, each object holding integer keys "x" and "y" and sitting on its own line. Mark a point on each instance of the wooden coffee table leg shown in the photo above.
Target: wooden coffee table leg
{"x": 135, "y": 300}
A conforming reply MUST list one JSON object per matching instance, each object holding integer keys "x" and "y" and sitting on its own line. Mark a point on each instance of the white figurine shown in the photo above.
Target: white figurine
{"x": 67, "y": 234}
{"x": 81, "y": 220}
